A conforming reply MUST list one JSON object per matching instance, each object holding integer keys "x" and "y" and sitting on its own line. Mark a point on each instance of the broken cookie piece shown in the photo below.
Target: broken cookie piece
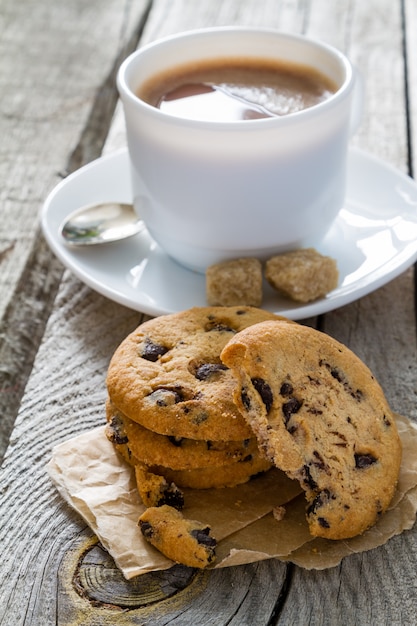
{"x": 279, "y": 513}
{"x": 302, "y": 275}
{"x": 154, "y": 489}
{"x": 236, "y": 282}
{"x": 184, "y": 541}
{"x": 321, "y": 417}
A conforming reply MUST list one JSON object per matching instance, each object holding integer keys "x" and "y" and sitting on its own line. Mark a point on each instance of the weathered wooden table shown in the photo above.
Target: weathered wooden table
{"x": 57, "y": 104}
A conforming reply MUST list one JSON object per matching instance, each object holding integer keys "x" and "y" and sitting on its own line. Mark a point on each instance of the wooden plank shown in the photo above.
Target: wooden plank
{"x": 363, "y": 325}
{"x": 56, "y": 110}
{"x": 47, "y": 93}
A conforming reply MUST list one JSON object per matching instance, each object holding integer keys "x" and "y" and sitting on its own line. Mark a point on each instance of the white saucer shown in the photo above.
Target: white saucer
{"x": 373, "y": 239}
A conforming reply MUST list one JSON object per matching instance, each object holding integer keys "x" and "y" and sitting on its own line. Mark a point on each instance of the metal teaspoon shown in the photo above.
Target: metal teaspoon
{"x": 100, "y": 223}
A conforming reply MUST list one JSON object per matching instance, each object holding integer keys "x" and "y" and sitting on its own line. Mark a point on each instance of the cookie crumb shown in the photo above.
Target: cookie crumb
{"x": 302, "y": 275}
{"x": 154, "y": 490}
{"x": 279, "y": 513}
{"x": 235, "y": 282}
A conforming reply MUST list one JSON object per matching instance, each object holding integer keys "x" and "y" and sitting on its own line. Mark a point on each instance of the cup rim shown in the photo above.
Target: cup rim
{"x": 343, "y": 91}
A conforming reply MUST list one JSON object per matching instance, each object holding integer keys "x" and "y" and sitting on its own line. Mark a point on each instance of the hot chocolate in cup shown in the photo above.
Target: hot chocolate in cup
{"x": 249, "y": 178}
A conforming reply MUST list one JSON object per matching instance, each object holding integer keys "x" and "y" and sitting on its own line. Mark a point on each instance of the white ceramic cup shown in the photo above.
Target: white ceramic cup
{"x": 211, "y": 191}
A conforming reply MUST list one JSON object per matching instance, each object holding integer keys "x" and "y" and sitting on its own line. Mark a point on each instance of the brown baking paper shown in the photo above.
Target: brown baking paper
{"x": 98, "y": 484}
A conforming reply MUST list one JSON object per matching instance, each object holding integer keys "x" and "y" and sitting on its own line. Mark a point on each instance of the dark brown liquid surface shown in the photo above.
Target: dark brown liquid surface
{"x": 229, "y": 90}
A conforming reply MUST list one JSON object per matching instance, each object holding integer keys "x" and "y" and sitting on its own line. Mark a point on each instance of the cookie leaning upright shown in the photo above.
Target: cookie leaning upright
{"x": 320, "y": 416}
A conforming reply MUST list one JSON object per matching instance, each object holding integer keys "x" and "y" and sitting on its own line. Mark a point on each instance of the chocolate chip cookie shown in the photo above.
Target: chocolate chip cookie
{"x": 204, "y": 477}
{"x": 155, "y": 490}
{"x": 167, "y": 375}
{"x": 321, "y": 417}
{"x": 178, "y": 453}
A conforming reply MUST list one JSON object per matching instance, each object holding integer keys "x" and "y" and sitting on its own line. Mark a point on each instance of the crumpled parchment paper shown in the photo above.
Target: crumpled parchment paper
{"x": 98, "y": 484}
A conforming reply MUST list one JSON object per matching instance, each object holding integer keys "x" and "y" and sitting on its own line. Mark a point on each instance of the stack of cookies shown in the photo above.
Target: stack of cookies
{"x": 170, "y": 408}
{"x": 211, "y": 396}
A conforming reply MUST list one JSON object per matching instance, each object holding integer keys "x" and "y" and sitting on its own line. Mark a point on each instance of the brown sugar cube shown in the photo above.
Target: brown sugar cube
{"x": 236, "y": 282}
{"x": 303, "y": 275}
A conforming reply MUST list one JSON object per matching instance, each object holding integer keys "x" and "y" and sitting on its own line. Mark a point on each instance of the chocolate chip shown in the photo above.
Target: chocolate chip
{"x": 152, "y": 351}
{"x": 286, "y": 389}
{"x": 292, "y": 429}
{"x": 321, "y": 498}
{"x": 341, "y": 378}
{"x": 337, "y": 375}
{"x": 339, "y": 435}
{"x": 173, "y": 497}
{"x": 209, "y": 370}
{"x": 314, "y": 411}
{"x": 202, "y": 535}
{"x": 245, "y": 398}
{"x": 323, "y": 522}
{"x": 386, "y": 421}
{"x": 343, "y": 440}
{"x": 289, "y": 408}
{"x": 264, "y": 391}
{"x": 116, "y": 430}
{"x": 363, "y": 461}
{"x": 319, "y": 461}
{"x": 308, "y": 479}
{"x": 146, "y": 528}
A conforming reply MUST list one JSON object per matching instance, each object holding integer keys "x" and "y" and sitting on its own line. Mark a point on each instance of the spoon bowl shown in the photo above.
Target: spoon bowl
{"x": 101, "y": 223}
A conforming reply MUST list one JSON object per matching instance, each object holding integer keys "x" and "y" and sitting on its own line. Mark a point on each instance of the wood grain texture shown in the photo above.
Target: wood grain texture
{"x": 44, "y": 545}
{"x": 60, "y": 63}
{"x": 57, "y": 71}
{"x": 381, "y": 328}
